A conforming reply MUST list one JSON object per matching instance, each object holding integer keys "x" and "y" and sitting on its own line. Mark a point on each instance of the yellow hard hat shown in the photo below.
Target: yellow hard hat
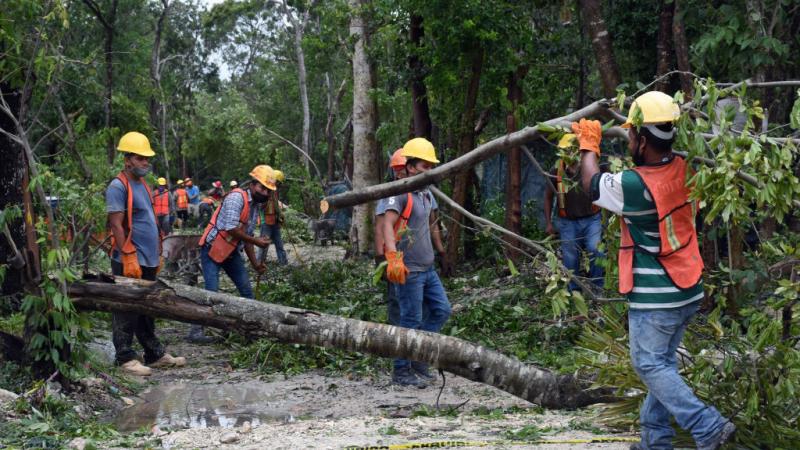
{"x": 265, "y": 175}
{"x": 180, "y": 182}
{"x": 420, "y": 148}
{"x": 136, "y": 143}
{"x": 566, "y": 140}
{"x": 234, "y": 183}
{"x": 656, "y": 108}
{"x": 279, "y": 176}
{"x": 162, "y": 181}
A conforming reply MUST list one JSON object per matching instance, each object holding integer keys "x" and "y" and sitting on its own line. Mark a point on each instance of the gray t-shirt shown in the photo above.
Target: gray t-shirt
{"x": 416, "y": 242}
{"x": 380, "y": 206}
{"x": 145, "y": 232}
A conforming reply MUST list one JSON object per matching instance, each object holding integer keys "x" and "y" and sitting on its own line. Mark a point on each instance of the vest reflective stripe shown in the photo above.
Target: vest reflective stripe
{"x": 222, "y": 234}
{"x": 561, "y": 192}
{"x": 679, "y": 253}
{"x": 181, "y": 198}
{"x": 161, "y": 203}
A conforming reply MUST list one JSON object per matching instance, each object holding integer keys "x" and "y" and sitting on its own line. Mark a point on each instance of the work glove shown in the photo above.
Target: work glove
{"x": 445, "y": 268}
{"x": 396, "y": 269}
{"x": 130, "y": 265}
{"x": 589, "y": 133}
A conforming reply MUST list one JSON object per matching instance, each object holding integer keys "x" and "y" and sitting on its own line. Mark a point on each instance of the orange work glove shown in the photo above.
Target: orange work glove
{"x": 589, "y": 133}
{"x": 130, "y": 265}
{"x": 396, "y": 269}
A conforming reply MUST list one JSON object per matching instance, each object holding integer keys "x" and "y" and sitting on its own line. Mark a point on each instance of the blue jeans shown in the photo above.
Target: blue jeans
{"x": 577, "y": 234}
{"x": 423, "y": 304}
{"x": 654, "y": 339}
{"x": 274, "y": 233}
{"x": 233, "y": 266}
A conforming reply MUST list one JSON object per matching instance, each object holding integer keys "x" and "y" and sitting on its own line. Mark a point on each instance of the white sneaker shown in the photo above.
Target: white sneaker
{"x": 134, "y": 367}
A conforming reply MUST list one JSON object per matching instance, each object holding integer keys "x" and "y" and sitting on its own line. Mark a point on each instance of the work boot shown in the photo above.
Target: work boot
{"x": 423, "y": 371}
{"x": 724, "y": 435}
{"x": 169, "y": 361}
{"x": 197, "y": 336}
{"x": 134, "y": 367}
{"x": 406, "y": 377}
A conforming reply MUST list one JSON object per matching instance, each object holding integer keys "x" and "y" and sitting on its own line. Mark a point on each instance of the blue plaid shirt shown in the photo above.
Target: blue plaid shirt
{"x": 229, "y": 213}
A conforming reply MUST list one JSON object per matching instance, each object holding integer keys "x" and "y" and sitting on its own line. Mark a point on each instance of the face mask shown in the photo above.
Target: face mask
{"x": 161, "y": 189}
{"x": 258, "y": 197}
{"x": 140, "y": 172}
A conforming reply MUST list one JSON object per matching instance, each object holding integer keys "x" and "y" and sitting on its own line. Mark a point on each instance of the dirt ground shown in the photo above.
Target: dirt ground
{"x": 207, "y": 404}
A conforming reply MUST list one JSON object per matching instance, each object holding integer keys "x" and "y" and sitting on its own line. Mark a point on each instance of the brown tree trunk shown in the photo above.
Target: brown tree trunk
{"x": 290, "y": 325}
{"x": 365, "y": 146}
{"x": 466, "y": 143}
{"x": 419, "y": 93}
{"x": 682, "y": 51}
{"x": 330, "y": 134}
{"x": 347, "y": 150}
{"x": 513, "y": 219}
{"x": 664, "y": 44}
{"x": 158, "y": 113}
{"x": 595, "y": 26}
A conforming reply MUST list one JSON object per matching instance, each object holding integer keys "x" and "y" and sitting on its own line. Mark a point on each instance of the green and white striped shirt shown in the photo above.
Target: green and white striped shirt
{"x": 625, "y": 194}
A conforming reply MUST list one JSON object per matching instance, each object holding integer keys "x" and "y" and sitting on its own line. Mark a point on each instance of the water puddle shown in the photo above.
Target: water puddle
{"x": 186, "y": 405}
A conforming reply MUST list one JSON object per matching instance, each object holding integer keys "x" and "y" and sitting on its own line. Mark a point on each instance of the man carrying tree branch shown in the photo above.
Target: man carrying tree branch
{"x": 660, "y": 267}
{"x": 408, "y": 242}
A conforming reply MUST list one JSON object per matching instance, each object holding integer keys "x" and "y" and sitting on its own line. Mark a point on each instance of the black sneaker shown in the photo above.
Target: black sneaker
{"x": 406, "y": 377}
{"x": 422, "y": 371}
{"x": 724, "y": 435}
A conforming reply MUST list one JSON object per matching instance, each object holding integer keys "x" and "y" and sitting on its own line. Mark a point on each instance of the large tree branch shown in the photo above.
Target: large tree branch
{"x": 291, "y": 325}
{"x": 481, "y": 153}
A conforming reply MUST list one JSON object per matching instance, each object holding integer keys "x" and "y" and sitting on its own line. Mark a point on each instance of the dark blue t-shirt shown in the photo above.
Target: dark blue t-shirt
{"x": 145, "y": 231}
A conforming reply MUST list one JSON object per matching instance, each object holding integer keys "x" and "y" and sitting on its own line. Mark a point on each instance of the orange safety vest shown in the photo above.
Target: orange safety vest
{"x": 678, "y": 252}
{"x": 161, "y": 203}
{"x": 224, "y": 244}
{"x": 127, "y": 225}
{"x": 402, "y": 222}
{"x": 270, "y": 209}
{"x": 561, "y": 192}
{"x": 181, "y": 198}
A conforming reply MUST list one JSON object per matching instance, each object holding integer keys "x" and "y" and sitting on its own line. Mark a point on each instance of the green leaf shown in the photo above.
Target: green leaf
{"x": 512, "y": 268}
{"x": 378, "y": 274}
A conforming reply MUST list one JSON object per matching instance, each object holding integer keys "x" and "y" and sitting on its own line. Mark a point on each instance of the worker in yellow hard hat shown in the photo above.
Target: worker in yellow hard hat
{"x": 231, "y": 228}
{"x": 135, "y": 246}
{"x": 409, "y": 240}
{"x": 271, "y": 218}
{"x": 660, "y": 267}
{"x": 579, "y": 221}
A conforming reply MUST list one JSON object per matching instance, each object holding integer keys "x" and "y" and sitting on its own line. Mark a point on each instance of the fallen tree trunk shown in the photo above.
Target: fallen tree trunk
{"x": 483, "y": 152}
{"x": 291, "y": 325}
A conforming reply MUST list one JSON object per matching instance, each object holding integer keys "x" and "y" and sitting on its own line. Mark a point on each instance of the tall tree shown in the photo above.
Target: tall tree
{"x": 664, "y": 44}
{"x": 365, "y": 144}
{"x": 298, "y": 27}
{"x": 595, "y": 27}
{"x": 108, "y": 20}
{"x": 158, "y": 113}
{"x": 513, "y": 219}
{"x": 419, "y": 93}
{"x": 681, "y": 50}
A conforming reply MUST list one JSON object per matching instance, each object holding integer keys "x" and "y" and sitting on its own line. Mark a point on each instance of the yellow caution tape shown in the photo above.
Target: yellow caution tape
{"x": 445, "y": 444}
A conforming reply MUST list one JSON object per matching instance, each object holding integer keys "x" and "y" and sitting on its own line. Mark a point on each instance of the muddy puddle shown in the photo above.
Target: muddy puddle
{"x": 188, "y": 405}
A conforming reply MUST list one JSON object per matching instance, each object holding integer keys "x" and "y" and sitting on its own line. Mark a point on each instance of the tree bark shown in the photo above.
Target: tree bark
{"x": 470, "y": 159}
{"x": 664, "y": 44}
{"x": 419, "y": 93}
{"x": 592, "y": 16}
{"x": 291, "y": 325}
{"x": 682, "y": 52}
{"x": 466, "y": 143}
{"x": 513, "y": 219}
{"x": 12, "y": 173}
{"x": 108, "y": 22}
{"x": 365, "y": 145}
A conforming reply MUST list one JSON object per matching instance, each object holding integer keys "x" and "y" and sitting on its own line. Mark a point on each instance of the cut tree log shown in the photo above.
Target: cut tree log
{"x": 291, "y": 325}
